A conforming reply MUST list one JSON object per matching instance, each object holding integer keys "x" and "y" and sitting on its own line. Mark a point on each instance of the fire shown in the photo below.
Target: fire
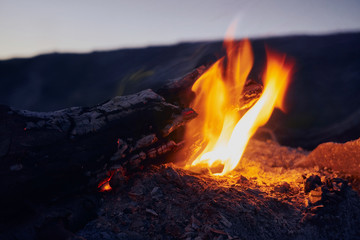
{"x": 104, "y": 185}
{"x": 223, "y": 133}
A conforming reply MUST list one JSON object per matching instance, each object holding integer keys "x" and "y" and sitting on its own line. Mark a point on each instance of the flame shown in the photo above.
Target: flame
{"x": 223, "y": 133}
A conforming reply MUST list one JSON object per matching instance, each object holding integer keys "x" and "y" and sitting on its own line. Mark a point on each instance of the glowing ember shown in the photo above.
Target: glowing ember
{"x": 223, "y": 132}
{"x": 104, "y": 185}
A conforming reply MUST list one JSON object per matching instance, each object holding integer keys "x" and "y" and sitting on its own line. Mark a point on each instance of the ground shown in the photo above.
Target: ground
{"x": 258, "y": 201}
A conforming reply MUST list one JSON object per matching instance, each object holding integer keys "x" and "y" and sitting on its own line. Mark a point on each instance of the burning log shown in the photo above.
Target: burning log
{"x": 179, "y": 90}
{"x": 48, "y": 155}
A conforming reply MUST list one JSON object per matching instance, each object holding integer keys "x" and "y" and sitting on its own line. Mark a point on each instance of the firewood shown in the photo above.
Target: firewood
{"x": 179, "y": 90}
{"x": 48, "y": 155}
{"x": 45, "y": 155}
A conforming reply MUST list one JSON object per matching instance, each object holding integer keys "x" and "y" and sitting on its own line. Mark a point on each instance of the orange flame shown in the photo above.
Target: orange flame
{"x": 222, "y": 132}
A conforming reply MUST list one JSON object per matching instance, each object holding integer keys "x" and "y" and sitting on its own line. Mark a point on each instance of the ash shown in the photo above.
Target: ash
{"x": 265, "y": 198}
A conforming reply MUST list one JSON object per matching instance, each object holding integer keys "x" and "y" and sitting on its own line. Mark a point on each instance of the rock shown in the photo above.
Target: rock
{"x": 122, "y": 236}
{"x": 105, "y": 236}
{"x": 152, "y": 212}
{"x": 283, "y": 188}
{"x": 315, "y": 195}
{"x": 117, "y": 180}
{"x": 154, "y": 191}
{"x": 195, "y": 224}
{"x": 311, "y": 183}
{"x": 242, "y": 179}
{"x": 339, "y": 185}
{"x": 172, "y": 175}
{"x": 224, "y": 221}
{"x": 137, "y": 190}
{"x": 343, "y": 157}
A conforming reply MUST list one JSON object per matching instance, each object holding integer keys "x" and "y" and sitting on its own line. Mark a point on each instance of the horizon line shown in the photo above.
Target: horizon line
{"x": 173, "y": 43}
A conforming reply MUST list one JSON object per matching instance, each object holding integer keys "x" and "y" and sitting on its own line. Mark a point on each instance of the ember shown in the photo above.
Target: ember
{"x": 104, "y": 185}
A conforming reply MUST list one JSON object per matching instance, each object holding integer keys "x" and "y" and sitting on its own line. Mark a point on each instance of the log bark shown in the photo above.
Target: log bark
{"x": 45, "y": 155}
{"x": 179, "y": 90}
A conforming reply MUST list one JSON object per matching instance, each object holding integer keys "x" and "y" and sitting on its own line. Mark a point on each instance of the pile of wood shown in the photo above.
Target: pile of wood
{"x": 46, "y": 155}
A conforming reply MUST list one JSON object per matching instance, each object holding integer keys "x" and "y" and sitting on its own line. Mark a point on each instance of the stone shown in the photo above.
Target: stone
{"x": 315, "y": 195}
{"x": 283, "y": 188}
{"x": 152, "y": 212}
{"x": 311, "y": 183}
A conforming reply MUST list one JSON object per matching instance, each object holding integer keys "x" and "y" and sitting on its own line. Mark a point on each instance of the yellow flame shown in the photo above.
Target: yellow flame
{"x": 224, "y": 135}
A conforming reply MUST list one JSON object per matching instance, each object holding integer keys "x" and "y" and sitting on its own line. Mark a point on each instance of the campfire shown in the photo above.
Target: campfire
{"x": 219, "y": 136}
{"x": 218, "y": 152}
{"x": 179, "y": 163}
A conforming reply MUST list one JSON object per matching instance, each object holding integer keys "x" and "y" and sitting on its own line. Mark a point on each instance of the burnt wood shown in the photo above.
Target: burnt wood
{"x": 49, "y": 156}
{"x": 45, "y": 155}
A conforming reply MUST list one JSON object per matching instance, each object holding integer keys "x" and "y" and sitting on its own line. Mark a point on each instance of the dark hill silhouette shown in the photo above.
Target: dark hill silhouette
{"x": 54, "y": 81}
{"x": 323, "y": 99}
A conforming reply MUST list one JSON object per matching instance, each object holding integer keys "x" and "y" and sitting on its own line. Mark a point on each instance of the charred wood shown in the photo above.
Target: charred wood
{"x": 50, "y": 156}
{"x": 179, "y": 90}
{"x": 47, "y": 155}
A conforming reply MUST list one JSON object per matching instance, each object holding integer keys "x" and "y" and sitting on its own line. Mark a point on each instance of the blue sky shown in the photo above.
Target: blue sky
{"x": 32, "y": 27}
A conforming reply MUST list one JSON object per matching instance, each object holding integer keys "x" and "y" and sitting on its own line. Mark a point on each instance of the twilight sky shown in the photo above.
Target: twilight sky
{"x": 32, "y": 27}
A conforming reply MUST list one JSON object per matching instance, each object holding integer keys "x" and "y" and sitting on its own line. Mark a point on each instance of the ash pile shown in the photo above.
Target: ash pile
{"x": 277, "y": 202}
